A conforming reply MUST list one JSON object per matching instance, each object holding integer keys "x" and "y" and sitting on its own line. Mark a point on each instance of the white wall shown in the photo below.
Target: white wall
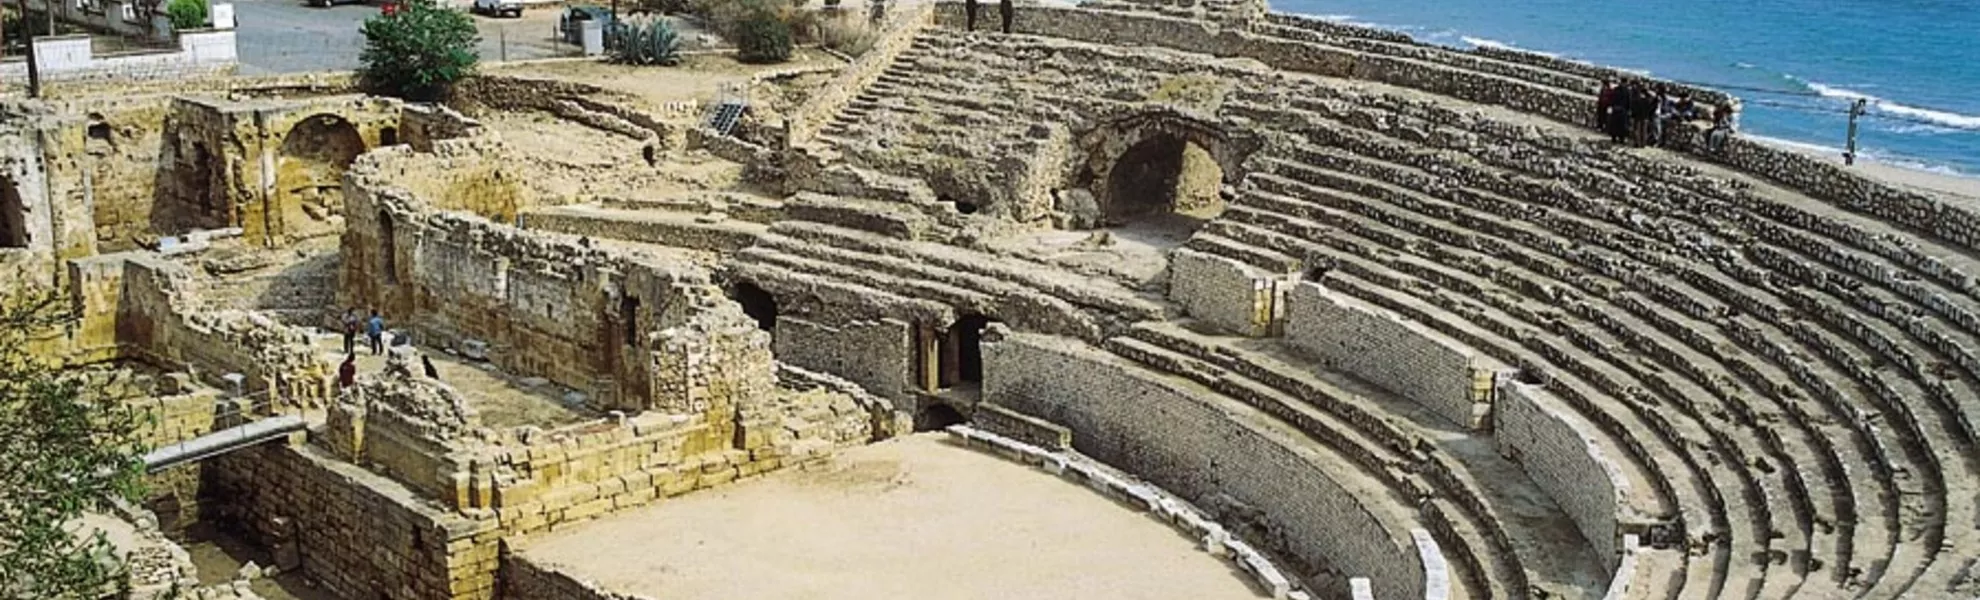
{"x": 68, "y": 58}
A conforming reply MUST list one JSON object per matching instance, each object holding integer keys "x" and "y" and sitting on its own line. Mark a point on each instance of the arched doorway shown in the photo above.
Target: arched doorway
{"x": 756, "y": 303}
{"x": 13, "y": 216}
{"x": 1164, "y": 175}
{"x": 309, "y": 175}
{"x": 1162, "y": 169}
{"x": 388, "y": 250}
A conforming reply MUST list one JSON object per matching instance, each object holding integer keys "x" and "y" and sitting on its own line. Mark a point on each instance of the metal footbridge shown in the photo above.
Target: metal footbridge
{"x": 222, "y": 442}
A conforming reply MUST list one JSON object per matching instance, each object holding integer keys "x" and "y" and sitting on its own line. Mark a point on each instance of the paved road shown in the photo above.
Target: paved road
{"x": 285, "y": 36}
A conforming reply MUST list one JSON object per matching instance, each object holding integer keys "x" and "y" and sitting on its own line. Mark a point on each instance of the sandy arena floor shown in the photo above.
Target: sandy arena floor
{"x": 914, "y": 518}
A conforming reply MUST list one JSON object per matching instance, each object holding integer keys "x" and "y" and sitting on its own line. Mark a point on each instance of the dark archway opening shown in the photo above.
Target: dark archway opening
{"x": 936, "y": 417}
{"x": 758, "y": 304}
{"x": 388, "y": 255}
{"x": 13, "y": 217}
{"x": 962, "y": 356}
{"x": 1165, "y": 175}
{"x": 629, "y": 316}
{"x": 962, "y": 206}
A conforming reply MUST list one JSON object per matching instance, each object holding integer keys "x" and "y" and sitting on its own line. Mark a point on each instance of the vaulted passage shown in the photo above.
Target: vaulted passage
{"x": 758, "y": 304}
{"x": 962, "y": 352}
{"x": 1164, "y": 174}
{"x": 13, "y": 216}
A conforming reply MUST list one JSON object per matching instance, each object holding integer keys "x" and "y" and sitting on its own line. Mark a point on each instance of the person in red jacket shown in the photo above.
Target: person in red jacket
{"x": 347, "y": 372}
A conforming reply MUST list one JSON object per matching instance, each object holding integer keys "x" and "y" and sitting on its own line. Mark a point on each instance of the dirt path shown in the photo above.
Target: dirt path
{"x": 913, "y": 518}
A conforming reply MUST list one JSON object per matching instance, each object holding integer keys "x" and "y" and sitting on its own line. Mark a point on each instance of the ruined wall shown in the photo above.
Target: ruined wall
{"x": 877, "y": 354}
{"x": 159, "y": 325}
{"x": 1220, "y": 291}
{"x": 523, "y": 579}
{"x": 1175, "y": 440}
{"x": 1558, "y": 451}
{"x": 1386, "y": 350}
{"x": 360, "y": 535}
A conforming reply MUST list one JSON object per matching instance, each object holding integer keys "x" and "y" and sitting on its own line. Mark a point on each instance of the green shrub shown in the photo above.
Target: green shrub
{"x": 763, "y": 37}
{"x": 417, "y": 52}
{"x": 650, "y": 41}
{"x": 187, "y": 14}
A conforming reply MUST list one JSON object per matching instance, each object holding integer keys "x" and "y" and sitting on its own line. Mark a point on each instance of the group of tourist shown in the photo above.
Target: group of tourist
{"x": 1004, "y": 8}
{"x": 374, "y": 333}
{"x": 1642, "y": 113}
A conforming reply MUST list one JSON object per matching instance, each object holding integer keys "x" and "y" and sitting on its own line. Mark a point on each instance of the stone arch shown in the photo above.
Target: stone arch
{"x": 309, "y": 174}
{"x": 13, "y": 216}
{"x": 1153, "y": 146}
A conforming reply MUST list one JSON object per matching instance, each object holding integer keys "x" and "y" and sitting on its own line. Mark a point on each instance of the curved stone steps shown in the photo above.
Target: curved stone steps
{"x": 1682, "y": 355}
{"x": 1448, "y": 459}
{"x": 1594, "y": 392}
{"x": 1374, "y": 494}
{"x": 1101, "y": 295}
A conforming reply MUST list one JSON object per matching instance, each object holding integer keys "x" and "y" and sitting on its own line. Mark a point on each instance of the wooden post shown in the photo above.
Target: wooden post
{"x": 1855, "y": 110}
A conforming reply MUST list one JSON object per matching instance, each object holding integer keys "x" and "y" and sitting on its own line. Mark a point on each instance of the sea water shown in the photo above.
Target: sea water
{"x": 1798, "y": 64}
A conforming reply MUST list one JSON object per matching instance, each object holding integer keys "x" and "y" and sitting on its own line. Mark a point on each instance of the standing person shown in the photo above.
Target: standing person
{"x": 969, "y": 8}
{"x": 1643, "y": 112}
{"x": 1604, "y": 100}
{"x": 350, "y": 324}
{"x": 1666, "y": 112}
{"x": 1004, "y": 7}
{"x": 1619, "y": 113}
{"x": 427, "y": 362}
{"x": 347, "y": 372}
{"x": 375, "y": 330}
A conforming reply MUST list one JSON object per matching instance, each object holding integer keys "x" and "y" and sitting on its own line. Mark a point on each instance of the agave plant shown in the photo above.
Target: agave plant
{"x": 645, "y": 41}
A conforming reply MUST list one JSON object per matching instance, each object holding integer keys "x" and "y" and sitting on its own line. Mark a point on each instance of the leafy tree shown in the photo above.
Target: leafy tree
{"x": 763, "y": 37}
{"x": 63, "y": 451}
{"x": 418, "y": 51}
{"x": 187, "y": 14}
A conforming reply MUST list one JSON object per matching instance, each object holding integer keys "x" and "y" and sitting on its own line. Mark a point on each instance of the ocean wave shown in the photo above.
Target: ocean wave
{"x": 1930, "y": 116}
{"x": 1478, "y": 42}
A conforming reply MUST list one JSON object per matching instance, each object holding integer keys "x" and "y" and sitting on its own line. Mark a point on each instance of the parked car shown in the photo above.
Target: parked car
{"x": 511, "y": 8}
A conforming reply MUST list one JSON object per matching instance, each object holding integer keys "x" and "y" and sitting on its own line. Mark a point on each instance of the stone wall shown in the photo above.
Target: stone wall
{"x": 581, "y": 312}
{"x": 1222, "y": 292}
{"x": 524, "y": 579}
{"x": 1557, "y": 449}
{"x": 1389, "y": 351}
{"x": 876, "y": 354}
{"x": 157, "y": 323}
{"x": 358, "y": 534}
{"x": 1169, "y": 436}
{"x": 199, "y": 53}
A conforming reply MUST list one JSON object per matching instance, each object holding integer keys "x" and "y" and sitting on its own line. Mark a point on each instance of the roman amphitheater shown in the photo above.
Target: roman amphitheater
{"x": 1143, "y": 299}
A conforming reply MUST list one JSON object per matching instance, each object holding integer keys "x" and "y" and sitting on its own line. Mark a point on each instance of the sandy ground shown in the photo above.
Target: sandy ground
{"x": 503, "y": 400}
{"x": 914, "y": 518}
